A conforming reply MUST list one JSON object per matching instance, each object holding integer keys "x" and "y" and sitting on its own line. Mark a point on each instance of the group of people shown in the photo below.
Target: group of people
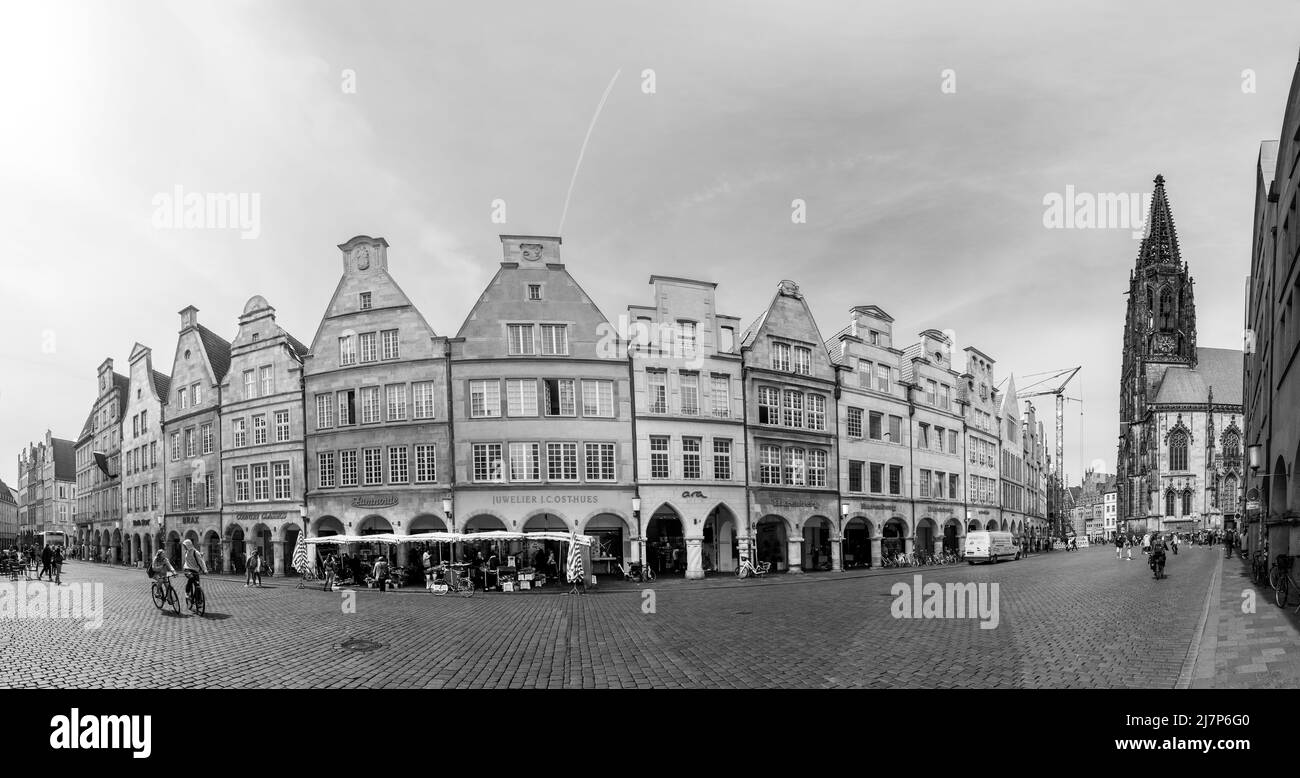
{"x": 1154, "y": 545}
{"x": 192, "y": 565}
{"x": 51, "y": 558}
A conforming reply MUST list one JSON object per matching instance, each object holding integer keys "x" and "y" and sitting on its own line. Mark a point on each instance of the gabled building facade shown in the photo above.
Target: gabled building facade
{"x": 262, "y": 433}
{"x": 99, "y": 496}
{"x": 791, "y": 414}
{"x": 689, "y": 425}
{"x": 542, "y": 401}
{"x": 938, "y": 414}
{"x": 983, "y": 441}
{"x": 191, "y": 425}
{"x": 144, "y": 456}
{"x": 47, "y": 489}
{"x": 378, "y": 434}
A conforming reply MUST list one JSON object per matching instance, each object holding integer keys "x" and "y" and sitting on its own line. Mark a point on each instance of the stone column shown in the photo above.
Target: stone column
{"x": 938, "y": 546}
{"x": 694, "y": 558}
{"x": 403, "y": 553}
{"x": 909, "y": 543}
{"x": 277, "y": 564}
{"x": 794, "y": 559}
{"x": 837, "y": 552}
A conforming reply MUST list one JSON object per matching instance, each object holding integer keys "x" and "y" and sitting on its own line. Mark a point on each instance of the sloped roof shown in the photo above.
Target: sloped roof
{"x": 162, "y": 384}
{"x": 833, "y": 346}
{"x": 297, "y": 345}
{"x": 218, "y": 350}
{"x": 87, "y": 428}
{"x": 65, "y": 459}
{"x": 123, "y": 386}
{"x": 7, "y": 494}
{"x": 1219, "y": 368}
{"x": 1160, "y": 246}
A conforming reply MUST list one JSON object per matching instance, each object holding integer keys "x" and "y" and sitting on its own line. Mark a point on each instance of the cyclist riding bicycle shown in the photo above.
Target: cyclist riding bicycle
{"x": 191, "y": 564}
{"x": 161, "y": 567}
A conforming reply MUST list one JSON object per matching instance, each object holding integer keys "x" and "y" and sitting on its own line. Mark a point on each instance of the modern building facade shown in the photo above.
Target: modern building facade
{"x": 541, "y": 396}
{"x": 690, "y": 437}
{"x": 1180, "y": 457}
{"x": 47, "y": 488}
{"x": 1271, "y": 494}
{"x": 99, "y": 494}
{"x": 791, "y": 415}
{"x": 378, "y": 436}
{"x": 191, "y": 425}
{"x": 263, "y": 466}
{"x": 144, "y": 456}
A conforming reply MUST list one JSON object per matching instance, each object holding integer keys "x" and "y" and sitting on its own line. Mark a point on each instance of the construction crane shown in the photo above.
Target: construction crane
{"x": 1053, "y": 382}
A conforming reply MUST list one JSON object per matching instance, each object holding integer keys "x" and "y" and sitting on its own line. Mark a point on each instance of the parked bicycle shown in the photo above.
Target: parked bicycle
{"x": 637, "y": 572}
{"x": 457, "y": 583}
{"x": 1259, "y": 568}
{"x": 748, "y": 570}
{"x": 1282, "y": 591}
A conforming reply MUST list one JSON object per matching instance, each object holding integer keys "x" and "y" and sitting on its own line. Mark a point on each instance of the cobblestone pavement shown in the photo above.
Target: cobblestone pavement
{"x": 1078, "y": 619}
{"x": 1248, "y": 641}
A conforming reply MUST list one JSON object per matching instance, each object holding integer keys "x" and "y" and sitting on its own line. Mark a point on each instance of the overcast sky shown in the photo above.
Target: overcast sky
{"x": 920, "y": 198}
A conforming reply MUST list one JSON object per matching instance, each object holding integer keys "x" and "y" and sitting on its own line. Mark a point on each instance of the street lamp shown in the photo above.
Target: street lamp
{"x": 1254, "y": 452}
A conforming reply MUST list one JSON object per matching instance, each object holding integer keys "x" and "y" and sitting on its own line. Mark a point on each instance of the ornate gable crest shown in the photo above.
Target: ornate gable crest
{"x": 1178, "y": 425}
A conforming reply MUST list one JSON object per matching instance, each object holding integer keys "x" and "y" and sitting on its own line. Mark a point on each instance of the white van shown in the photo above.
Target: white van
{"x": 990, "y": 547}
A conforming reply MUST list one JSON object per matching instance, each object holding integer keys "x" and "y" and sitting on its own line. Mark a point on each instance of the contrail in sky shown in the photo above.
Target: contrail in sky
{"x": 583, "y": 150}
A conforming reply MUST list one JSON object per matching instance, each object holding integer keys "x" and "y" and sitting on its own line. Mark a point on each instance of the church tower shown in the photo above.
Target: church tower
{"x": 1159, "y": 333}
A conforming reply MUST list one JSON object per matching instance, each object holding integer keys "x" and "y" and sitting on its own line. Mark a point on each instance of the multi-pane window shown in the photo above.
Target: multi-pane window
{"x": 205, "y": 433}
{"x": 325, "y": 469}
{"x": 720, "y": 396}
{"x": 487, "y": 462}
{"x": 369, "y": 404}
{"x": 598, "y": 399}
{"x": 521, "y": 396}
{"x": 196, "y": 395}
{"x": 261, "y": 482}
{"x": 922, "y": 435}
{"x": 347, "y": 407}
{"x": 425, "y": 463}
{"x": 374, "y": 466}
{"x": 895, "y": 479}
{"x": 391, "y": 349}
{"x": 600, "y": 461}
{"x": 347, "y": 468}
{"x": 396, "y": 396}
{"x": 945, "y": 396}
{"x": 657, "y": 381}
{"x": 877, "y": 478}
{"x": 816, "y": 412}
{"x": 368, "y": 346}
{"x": 281, "y": 426}
{"x": 365, "y": 301}
{"x": 816, "y": 467}
{"x": 796, "y": 467}
{"x": 953, "y": 486}
{"x": 854, "y": 422}
{"x": 397, "y": 465}
{"x": 324, "y": 411}
{"x": 1178, "y": 450}
{"x": 280, "y": 479}
{"x": 882, "y": 378}
{"x": 952, "y": 442}
{"x": 347, "y": 350}
{"x": 176, "y": 446}
{"x": 267, "y": 378}
{"x": 259, "y": 429}
{"x": 422, "y": 392}
{"x": 781, "y": 357}
{"x": 895, "y": 429}
{"x": 769, "y": 465}
{"x": 241, "y": 483}
{"x": 250, "y": 384}
{"x": 183, "y": 398}
{"x": 659, "y": 456}
{"x": 525, "y": 462}
{"x": 864, "y": 373}
{"x": 560, "y": 399}
{"x": 691, "y": 458}
{"x": 939, "y": 435}
{"x": 153, "y": 448}
{"x": 924, "y": 482}
{"x": 690, "y": 392}
{"x": 555, "y": 339}
{"x": 932, "y": 392}
{"x": 484, "y": 399}
{"x": 721, "y": 459}
{"x": 686, "y": 337}
{"x": 792, "y": 408}
{"x": 802, "y": 360}
{"x": 519, "y": 339}
{"x": 769, "y": 405}
{"x": 939, "y": 480}
{"x": 874, "y": 419}
{"x": 562, "y": 461}
{"x": 534, "y": 292}
{"x": 191, "y": 444}
{"x": 855, "y": 476}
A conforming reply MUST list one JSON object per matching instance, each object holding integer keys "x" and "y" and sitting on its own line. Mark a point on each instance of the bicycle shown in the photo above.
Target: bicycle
{"x": 1259, "y": 568}
{"x": 163, "y": 594}
{"x": 1282, "y": 591}
{"x": 198, "y": 603}
{"x": 747, "y": 570}
{"x": 457, "y": 584}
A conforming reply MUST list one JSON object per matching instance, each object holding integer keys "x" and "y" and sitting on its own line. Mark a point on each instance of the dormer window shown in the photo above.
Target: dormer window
{"x": 365, "y": 301}
{"x": 874, "y": 338}
{"x": 256, "y": 336}
{"x": 534, "y": 292}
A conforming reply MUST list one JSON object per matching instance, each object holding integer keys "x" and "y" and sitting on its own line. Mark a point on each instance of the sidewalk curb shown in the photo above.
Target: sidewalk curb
{"x": 1207, "y": 639}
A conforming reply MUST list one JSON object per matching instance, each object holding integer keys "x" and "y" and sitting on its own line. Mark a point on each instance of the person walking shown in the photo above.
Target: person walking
{"x": 253, "y": 570}
{"x": 331, "y": 570}
{"x": 1119, "y": 546}
{"x": 380, "y": 573}
{"x": 426, "y": 562}
{"x": 56, "y": 565}
{"x": 46, "y": 553}
{"x": 1128, "y": 546}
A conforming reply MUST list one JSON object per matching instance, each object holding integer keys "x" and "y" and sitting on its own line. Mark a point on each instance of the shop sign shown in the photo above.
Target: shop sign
{"x": 267, "y": 516}
{"x": 375, "y": 501}
{"x": 545, "y": 499}
{"x": 697, "y": 495}
{"x": 189, "y": 520}
{"x": 140, "y": 522}
{"x": 1252, "y": 505}
{"x": 864, "y": 505}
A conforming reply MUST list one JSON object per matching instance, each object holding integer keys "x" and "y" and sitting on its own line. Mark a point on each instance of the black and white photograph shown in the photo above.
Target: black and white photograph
{"x": 799, "y": 346}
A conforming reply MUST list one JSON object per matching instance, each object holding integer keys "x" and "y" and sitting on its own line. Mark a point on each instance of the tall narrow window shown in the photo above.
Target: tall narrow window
{"x": 720, "y": 396}
{"x": 324, "y": 411}
{"x": 397, "y": 465}
{"x": 769, "y": 465}
{"x": 690, "y": 391}
{"x": 769, "y": 405}
{"x": 691, "y": 458}
{"x": 281, "y": 481}
{"x": 721, "y": 459}
{"x": 781, "y": 357}
{"x": 259, "y": 429}
{"x": 802, "y": 360}
{"x": 686, "y": 337}
{"x": 1166, "y": 309}
{"x": 325, "y": 469}
{"x": 368, "y": 347}
{"x": 560, "y": 399}
{"x": 267, "y": 379}
{"x": 396, "y": 397}
{"x": 347, "y": 350}
{"x": 796, "y": 467}
{"x": 854, "y": 422}
{"x": 521, "y": 396}
{"x": 1178, "y": 450}
{"x": 816, "y": 412}
{"x": 425, "y": 463}
{"x": 659, "y": 456}
{"x": 657, "y": 381}
{"x": 598, "y": 399}
{"x": 792, "y": 408}
{"x": 365, "y": 301}
{"x": 1187, "y": 502}
{"x": 423, "y": 398}
{"x": 1169, "y": 502}
{"x": 525, "y": 462}
{"x": 600, "y": 462}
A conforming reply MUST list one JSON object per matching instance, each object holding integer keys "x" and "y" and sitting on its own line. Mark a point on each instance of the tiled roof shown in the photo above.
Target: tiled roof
{"x": 65, "y": 459}
{"x": 1217, "y": 368}
{"x": 6, "y": 494}
{"x": 218, "y": 349}
{"x": 87, "y": 428}
{"x": 297, "y": 345}
{"x": 162, "y": 384}
{"x": 123, "y": 386}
